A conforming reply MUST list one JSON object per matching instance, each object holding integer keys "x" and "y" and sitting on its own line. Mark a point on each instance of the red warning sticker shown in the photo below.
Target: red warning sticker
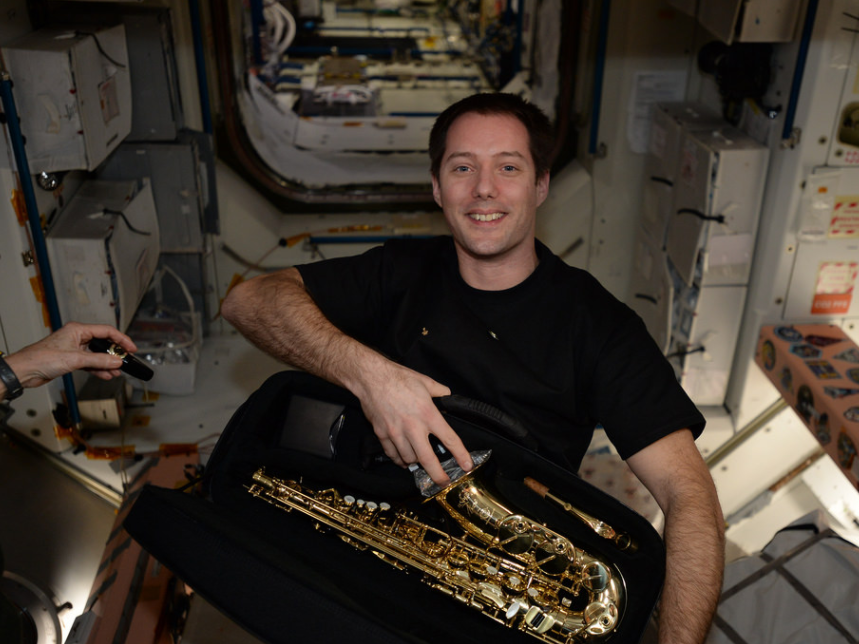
{"x": 845, "y": 218}
{"x": 834, "y": 289}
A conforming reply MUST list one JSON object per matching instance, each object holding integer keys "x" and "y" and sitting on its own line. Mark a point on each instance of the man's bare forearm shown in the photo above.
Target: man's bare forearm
{"x": 676, "y": 475}
{"x": 276, "y": 313}
{"x": 694, "y": 539}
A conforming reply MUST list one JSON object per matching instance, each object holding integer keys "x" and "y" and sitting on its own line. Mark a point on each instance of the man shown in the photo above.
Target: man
{"x": 493, "y": 315}
{"x": 61, "y": 352}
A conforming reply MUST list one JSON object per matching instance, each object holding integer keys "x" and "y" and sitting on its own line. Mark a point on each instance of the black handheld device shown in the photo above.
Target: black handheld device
{"x": 131, "y": 364}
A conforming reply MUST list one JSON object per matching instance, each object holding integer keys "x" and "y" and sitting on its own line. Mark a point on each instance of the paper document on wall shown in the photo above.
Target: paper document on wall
{"x": 729, "y": 250}
{"x": 650, "y": 88}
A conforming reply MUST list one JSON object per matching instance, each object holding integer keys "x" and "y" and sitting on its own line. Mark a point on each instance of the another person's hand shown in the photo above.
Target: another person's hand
{"x": 398, "y": 402}
{"x": 66, "y": 350}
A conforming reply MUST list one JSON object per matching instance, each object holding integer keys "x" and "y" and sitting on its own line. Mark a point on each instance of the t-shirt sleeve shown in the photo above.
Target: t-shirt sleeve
{"x": 348, "y": 291}
{"x": 636, "y": 395}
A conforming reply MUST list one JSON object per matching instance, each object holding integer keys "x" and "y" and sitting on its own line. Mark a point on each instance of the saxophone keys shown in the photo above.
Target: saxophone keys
{"x": 433, "y": 550}
{"x": 492, "y": 594}
{"x": 479, "y": 570}
{"x": 595, "y": 576}
{"x": 514, "y": 584}
{"x": 458, "y": 559}
{"x": 600, "y": 618}
{"x": 517, "y": 607}
{"x": 538, "y": 620}
{"x": 543, "y": 597}
{"x": 515, "y": 535}
{"x": 553, "y": 557}
{"x": 371, "y": 510}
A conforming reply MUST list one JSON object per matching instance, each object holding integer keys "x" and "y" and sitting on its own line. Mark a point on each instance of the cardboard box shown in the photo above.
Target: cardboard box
{"x": 815, "y": 367}
{"x": 103, "y": 249}
{"x": 102, "y": 403}
{"x": 73, "y": 92}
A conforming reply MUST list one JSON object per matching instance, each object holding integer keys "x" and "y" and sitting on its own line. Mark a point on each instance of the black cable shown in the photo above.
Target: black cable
{"x": 682, "y": 353}
{"x": 108, "y": 211}
{"x": 701, "y": 215}
{"x": 191, "y": 481}
{"x": 314, "y": 248}
{"x": 100, "y": 49}
{"x": 667, "y": 182}
{"x": 644, "y": 296}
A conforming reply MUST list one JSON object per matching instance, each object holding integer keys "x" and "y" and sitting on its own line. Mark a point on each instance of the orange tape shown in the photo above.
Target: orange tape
{"x": 140, "y": 421}
{"x": 39, "y": 293}
{"x": 237, "y": 279}
{"x": 175, "y": 449}
{"x": 109, "y": 453}
{"x": 20, "y": 206}
{"x": 64, "y": 432}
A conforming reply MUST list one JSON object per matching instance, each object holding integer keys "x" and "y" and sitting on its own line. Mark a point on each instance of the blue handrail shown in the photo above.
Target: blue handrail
{"x": 37, "y": 234}
{"x": 599, "y": 71}
{"x": 200, "y": 60}
{"x": 799, "y": 69}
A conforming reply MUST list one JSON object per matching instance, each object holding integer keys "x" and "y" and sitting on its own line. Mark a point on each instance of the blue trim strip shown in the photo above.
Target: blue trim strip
{"x": 799, "y": 70}
{"x": 325, "y": 28}
{"x": 599, "y": 72}
{"x": 38, "y": 235}
{"x": 257, "y": 22}
{"x": 427, "y": 77}
{"x": 517, "y": 46}
{"x": 200, "y": 60}
{"x": 316, "y": 50}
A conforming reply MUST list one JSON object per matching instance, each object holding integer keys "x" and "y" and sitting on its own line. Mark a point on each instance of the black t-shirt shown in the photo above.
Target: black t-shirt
{"x": 558, "y": 352}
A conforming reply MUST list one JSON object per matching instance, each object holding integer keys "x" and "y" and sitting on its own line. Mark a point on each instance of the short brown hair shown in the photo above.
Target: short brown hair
{"x": 540, "y": 132}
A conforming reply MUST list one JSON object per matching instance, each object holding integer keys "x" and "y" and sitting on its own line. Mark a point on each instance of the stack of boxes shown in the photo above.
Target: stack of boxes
{"x": 695, "y": 242}
{"x": 815, "y": 367}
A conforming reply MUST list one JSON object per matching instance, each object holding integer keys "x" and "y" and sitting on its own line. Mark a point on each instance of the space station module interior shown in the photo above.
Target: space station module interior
{"x": 706, "y": 171}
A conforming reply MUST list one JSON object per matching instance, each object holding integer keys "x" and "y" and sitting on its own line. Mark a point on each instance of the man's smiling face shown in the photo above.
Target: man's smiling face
{"x": 488, "y": 188}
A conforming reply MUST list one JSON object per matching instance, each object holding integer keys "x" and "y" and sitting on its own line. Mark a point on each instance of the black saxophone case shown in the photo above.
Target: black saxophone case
{"x": 275, "y": 574}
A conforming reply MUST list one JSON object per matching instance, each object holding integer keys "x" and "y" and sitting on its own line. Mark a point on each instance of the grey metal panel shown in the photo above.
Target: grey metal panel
{"x": 157, "y": 108}
{"x": 208, "y": 188}
{"x": 174, "y": 171}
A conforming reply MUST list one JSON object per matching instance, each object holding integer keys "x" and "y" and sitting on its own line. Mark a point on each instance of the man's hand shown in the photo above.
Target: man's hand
{"x": 276, "y": 313}
{"x": 398, "y": 402}
{"x": 66, "y": 350}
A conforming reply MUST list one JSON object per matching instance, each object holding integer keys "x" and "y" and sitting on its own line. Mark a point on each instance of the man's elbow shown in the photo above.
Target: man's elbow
{"x": 237, "y": 301}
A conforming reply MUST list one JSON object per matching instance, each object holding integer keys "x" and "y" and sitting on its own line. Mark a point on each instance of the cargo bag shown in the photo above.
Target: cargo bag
{"x": 278, "y": 576}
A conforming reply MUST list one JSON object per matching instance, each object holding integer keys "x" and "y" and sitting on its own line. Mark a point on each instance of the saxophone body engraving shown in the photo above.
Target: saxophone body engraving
{"x": 512, "y": 569}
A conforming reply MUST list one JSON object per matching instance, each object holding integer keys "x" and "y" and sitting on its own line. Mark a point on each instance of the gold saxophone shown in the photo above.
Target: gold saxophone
{"x": 519, "y": 573}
